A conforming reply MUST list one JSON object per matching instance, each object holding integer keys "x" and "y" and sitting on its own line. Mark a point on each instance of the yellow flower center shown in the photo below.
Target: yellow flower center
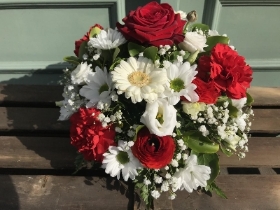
{"x": 138, "y": 79}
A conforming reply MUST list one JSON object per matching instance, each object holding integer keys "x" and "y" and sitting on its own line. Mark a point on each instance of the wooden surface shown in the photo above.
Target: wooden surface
{"x": 37, "y": 161}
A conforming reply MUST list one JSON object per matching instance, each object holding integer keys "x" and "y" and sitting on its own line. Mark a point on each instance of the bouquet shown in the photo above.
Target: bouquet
{"x": 155, "y": 99}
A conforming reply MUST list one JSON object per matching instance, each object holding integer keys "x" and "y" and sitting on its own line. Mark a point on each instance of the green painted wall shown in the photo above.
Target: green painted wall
{"x": 39, "y": 33}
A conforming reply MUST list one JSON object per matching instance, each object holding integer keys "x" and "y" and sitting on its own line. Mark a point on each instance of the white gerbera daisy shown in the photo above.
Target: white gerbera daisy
{"x": 107, "y": 39}
{"x": 98, "y": 88}
{"x": 139, "y": 79}
{"x": 160, "y": 117}
{"x": 180, "y": 77}
{"x": 192, "y": 175}
{"x": 121, "y": 159}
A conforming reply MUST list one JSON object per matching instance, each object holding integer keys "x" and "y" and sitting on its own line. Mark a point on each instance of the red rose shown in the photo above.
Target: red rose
{"x": 153, "y": 24}
{"x": 153, "y": 151}
{"x": 227, "y": 70}
{"x": 207, "y": 91}
{"x": 83, "y": 39}
{"x": 88, "y": 135}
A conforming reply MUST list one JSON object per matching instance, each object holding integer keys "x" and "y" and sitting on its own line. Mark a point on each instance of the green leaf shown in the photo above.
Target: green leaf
{"x": 213, "y": 40}
{"x": 226, "y": 150}
{"x": 192, "y": 57}
{"x": 94, "y": 31}
{"x": 72, "y": 59}
{"x": 211, "y": 160}
{"x": 250, "y": 99}
{"x": 116, "y": 52}
{"x": 199, "y": 143}
{"x": 82, "y": 49}
{"x": 233, "y": 111}
{"x": 214, "y": 188}
{"x": 135, "y": 49}
{"x": 139, "y": 127}
{"x": 151, "y": 53}
{"x": 199, "y": 26}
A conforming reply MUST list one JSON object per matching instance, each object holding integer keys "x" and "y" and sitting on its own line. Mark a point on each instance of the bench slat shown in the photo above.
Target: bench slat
{"x": 243, "y": 192}
{"x": 58, "y": 153}
{"x": 45, "y": 119}
{"x": 29, "y": 93}
{"x": 36, "y": 152}
{"x": 61, "y": 192}
{"x": 32, "y": 120}
{"x": 265, "y": 96}
{"x": 263, "y": 151}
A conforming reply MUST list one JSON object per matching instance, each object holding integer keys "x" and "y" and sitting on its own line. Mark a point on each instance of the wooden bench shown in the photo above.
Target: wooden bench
{"x": 37, "y": 161}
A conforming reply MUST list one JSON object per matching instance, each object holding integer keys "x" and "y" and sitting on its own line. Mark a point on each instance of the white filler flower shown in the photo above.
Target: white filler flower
{"x": 180, "y": 77}
{"x": 107, "y": 39}
{"x": 160, "y": 117}
{"x": 139, "y": 79}
{"x": 98, "y": 88}
{"x": 121, "y": 159}
{"x": 193, "y": 41}
{"x": 80, "y": 74}
{"x": 192, "y": 175}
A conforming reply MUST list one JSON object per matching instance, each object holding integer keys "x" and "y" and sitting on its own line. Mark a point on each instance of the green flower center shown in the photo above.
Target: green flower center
{"x": 177, "y": 84}
{"x": 122, "y": 157}
{"x": 103, "y": 88}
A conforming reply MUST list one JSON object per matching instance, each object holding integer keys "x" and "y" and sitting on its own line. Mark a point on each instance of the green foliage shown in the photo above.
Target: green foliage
{"x": 192, "y": 57}
{"x": 94, "y": 31}
{"x": 233, "y": 111}
{"x": 134, "y": 49}
{"x": 72, "y": 59}
{"x": 199, "y": 143}
{"x": 151, "y": 53}
{"x": 200, "y": 26}
{"x": 225, "y": 149}
{"x": 79, "y": 162}
{"x": 115, "y": 54}
{"x": 82, "y": 49}
{"x": 213, "y": 40}
{"x": 250, "y": 99}
{"x": 211, "y": 160}
{"x": 214, "y": 188}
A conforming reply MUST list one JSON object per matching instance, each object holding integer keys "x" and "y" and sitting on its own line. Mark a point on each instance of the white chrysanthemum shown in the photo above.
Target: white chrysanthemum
{"x": 120, "y": 159}
{"x": 160, "y": 117}
{"x": 192, "y": 175}
{"x": 98, "y": 88}
{"x": 80, "y": 74}
{"x": 139, "y": 79}
{"x": 193, "y": 41}
{"x": 180, "y": 77}
{"x": 239, "y": 103}
{"x": 193, "y": 108}
{"x": 107, "y": 39}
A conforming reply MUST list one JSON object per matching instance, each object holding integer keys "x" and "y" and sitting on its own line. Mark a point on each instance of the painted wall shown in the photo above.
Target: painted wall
{"x": 251, "y": 25}
{"x": 39, "y": 33}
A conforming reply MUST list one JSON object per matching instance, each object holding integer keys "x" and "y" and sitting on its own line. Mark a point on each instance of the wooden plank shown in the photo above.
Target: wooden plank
{"x": 63, "y": 193}
{"x": 266, "y": 121}
{"x": 263, "y": 151}
{"x": 265, "y": 96}
{"x": 243, "y": 192}
{"x": 36, "y": 152}
{"x": 29, "y": 93}
{"x": 45, "y": 119}
{"x": 57, "y": 153}
{"x": 32, "y": 120}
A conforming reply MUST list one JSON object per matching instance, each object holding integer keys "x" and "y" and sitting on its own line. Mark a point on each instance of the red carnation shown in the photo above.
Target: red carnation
{"x": 207, "y": 91}
{"x": 153, "y": 24}
{"x": 153, "y": 151}
{"x": 227, "y": 70}
{"x": 85, "y": 38}
{"x": 88, "y": 135}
